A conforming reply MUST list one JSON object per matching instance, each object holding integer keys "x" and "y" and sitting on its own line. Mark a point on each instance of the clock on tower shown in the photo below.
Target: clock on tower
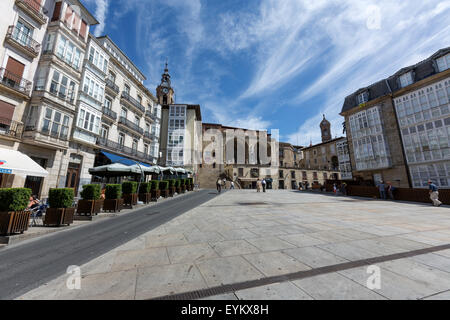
{"x": 164, "y": 92}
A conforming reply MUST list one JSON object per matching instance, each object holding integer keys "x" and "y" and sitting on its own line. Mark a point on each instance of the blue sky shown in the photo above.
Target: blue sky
{"x": 273, "y": 64}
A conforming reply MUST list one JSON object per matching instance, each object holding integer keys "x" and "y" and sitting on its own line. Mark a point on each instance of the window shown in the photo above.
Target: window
{"x": 406, "y": 79}
{"x": 88, "y": 121}
{"x": 62, "y": 86}
{"x": 23, "y": 33}
{"x": 241, "y": 172}
{"x": 363, "y": 97}
{"x": 98, "y": 59}
{"x": 68, "y": 52}
{"x": 104, "y": 131}
{"x": 443, "y": 62}
{"x": 134, "y": 146}
{"x": 146, "y": 149}
{"x": 108, "y": 103}
{"x": 55, "y": 124}
{"x": 121, "y": 139}
{"x": 137, "y": 120}
{"x": 48, "y": 47}
{"x": 93, "y": 88}
{"x": 123, "y": 113}
{"x": 127, "y": 89}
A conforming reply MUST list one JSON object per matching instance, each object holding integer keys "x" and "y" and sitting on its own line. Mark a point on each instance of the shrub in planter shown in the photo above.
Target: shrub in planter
{"x": 113, "y": 198}
{"x": 13, "y": 202}
{"x": 61, "y": 210}
{"x": 156, "y": 193}
{"x": 183, "y": 185}
{"x": 145, "y": 192}
{"x": 164, "y": 187}
{"x": 129, "y": 191}
{"x": 172, "y": 188}
{"x": 91, "y": 202}
{"x": 178, "y": 186}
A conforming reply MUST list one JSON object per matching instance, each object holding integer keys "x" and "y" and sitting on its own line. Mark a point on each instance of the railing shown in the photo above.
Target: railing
{"x": 109, "y": 113}
{"x": 110, "y": 84}
{"x": 132, "y": 101}
{"x": 56, "y": 135}
{"x": 114, "y": 146}
{"x": 149, "y": 135}
{"x": 131, "y": 125}
{"x": 14, "y": 81}
{"x": 34, "y": 6}
{"x": 23, "y": 39}
{"x": 150, "y": 115}
{"x": 11, "y": 128}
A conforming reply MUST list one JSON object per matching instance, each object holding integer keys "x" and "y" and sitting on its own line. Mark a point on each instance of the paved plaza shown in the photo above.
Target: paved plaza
{"x": 243, "y": 236}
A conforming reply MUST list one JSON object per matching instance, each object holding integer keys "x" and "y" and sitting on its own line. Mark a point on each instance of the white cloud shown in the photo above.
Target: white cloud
{"x": 101, "y": 12}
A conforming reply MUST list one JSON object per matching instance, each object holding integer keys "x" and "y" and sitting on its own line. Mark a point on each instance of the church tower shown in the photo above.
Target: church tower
{"x": 164, "y": 92}
{"x": 325, "y": 128}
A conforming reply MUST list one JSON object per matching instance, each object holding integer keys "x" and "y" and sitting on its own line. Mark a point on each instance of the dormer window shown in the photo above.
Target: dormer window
{"x": 363, "y": 97}
{"x": 406, "y": 79}
{"x": 443, "y": 62}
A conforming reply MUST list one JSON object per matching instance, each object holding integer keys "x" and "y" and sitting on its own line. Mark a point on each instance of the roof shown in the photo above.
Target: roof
{"x": 91, "y": 19}
{"x": 422, "y": 70}
{"x": 323, "y": 143}
{"x": 218, "y": 125}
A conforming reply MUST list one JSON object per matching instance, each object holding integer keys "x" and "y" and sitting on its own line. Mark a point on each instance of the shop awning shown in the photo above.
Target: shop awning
{"x": 115, "y": 169}
{"x": 147, "y": 170}
{"x": 164, "y": 169}
{"x": 15, "y": 162}
{"x": 122, "y": 160}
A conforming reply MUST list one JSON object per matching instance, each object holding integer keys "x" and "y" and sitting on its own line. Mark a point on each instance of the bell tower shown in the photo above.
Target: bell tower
{"x": 164, "y": 91}
{"x": 325, "y": 128}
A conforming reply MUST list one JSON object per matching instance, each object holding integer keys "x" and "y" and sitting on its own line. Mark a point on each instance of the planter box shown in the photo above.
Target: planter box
{"x": 191, "y": 187}
{"x": 183, "y": 189}
{"x": 14, "y": 222}
{"x": 156, "y": 194}
{"x": 114, "y": 205}
{"x": 59, "y": 216}
{"x": 145, "y": 197}
{"x": 89, "y": 207}
{"x": 172, "y": 191}
{"x": 130, "y": 199}
{"x": 165, "y": 193}
{"x": 178, "y": 190}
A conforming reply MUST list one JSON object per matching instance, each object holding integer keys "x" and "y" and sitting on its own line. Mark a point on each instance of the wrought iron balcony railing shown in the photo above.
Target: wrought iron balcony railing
{"x": 15, "y": 82}
{"x": 117, "y": 147}
{"x": 114, "y": 87}
{"x": 133, "y": 101}
{"x": 109, "y": 113}
{"x": 131, "y": 125}
{"x": 149, "y": 135}
{"x": 24, "y": 40}
{"x": 150, "y": 115}
{"x": 11, "y": 128}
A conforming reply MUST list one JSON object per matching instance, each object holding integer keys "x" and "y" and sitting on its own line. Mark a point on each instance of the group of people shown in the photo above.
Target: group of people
{"x": 387, "y": 191}
{"x": 223, "y": 183}
{"x": 261, "y": 184}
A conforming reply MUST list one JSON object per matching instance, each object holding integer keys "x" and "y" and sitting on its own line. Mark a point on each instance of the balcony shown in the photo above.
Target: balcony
{"x": 126, "y": 151}
{"x": 150, "y": 115}
{"x": 132, "y": 102}
{"x": 109, "y": 113}
{"x": 45, "y": 137}
{"x": 15, "y": 82}
{"x": 22, "y": 42}
{"x": 34, "y": 9}
{"x": 10, "y": 128}
{"x": 149, "y": 136}
{"x": 112, "y": 86}
{"x": 130, "y": 125}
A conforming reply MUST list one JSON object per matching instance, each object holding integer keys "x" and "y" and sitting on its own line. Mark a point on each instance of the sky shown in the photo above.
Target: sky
{"x": 273, "y": 64}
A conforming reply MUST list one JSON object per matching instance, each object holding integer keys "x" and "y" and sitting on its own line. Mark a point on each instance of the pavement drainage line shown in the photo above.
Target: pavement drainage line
{"x": 230, "y": 288}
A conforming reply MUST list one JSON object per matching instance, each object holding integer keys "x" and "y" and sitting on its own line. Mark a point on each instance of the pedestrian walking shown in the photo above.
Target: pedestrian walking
{"x": 434, "y": 194}
{"x": 258, "y": 185}
{"x": 390, "y": 190}
{"x": 224, "y": 183}
{"x": 335, "y": 189}
{"x": 219, "y": 185}
{"x": 232, "y": 185}
{"x": 263, "y": 182}
{"x": 382, "y": 189}
{"x": 344, "y": 188}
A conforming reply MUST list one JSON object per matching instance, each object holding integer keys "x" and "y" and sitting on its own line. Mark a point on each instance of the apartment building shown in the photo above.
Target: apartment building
{"x": 421, "y": 96}
{"x": 131, "y": 115}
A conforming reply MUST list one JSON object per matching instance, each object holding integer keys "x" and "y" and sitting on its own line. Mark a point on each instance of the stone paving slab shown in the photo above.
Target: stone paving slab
{"x": 223, "y": 242}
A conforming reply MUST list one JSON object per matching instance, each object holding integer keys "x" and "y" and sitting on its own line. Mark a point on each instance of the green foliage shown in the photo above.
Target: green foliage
{"x": 61, "y": 198}
{"x": 191, "y": 181}
{"x": 91, "y": 192}
{"x": 113, "y": 191}
{"x": 155, "y": 184}
{"x": 164, "y": 185}
{"x": 14, "y": 199}
{"x": 129, "y": 187}
{"x": 171, "y": 183}
{"x": 145, "y": 187}
{"x": 177, "y": 183}
{"x": 182, "y": 182}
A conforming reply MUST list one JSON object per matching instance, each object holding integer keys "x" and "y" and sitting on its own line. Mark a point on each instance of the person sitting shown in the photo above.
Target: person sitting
{"x": 34, "y": 202}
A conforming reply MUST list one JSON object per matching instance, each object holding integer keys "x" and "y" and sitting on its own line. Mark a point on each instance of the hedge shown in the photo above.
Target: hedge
{"x": 191, "y": 181}
{"x": 61, "y": 198}
{"x": 91, "y": 192}
{"x": 113, "y": 191}
{"x": 164, "y": 185}
{"x": 145, "y": 187}
{"x": 177, "y": 183}
{"x": 155, "y": 185}
{"x": 182, "y": 182}
{"x": 171, "y": 182}
{"x": 129, "y": 187}
{"x": 14, "y": 199}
